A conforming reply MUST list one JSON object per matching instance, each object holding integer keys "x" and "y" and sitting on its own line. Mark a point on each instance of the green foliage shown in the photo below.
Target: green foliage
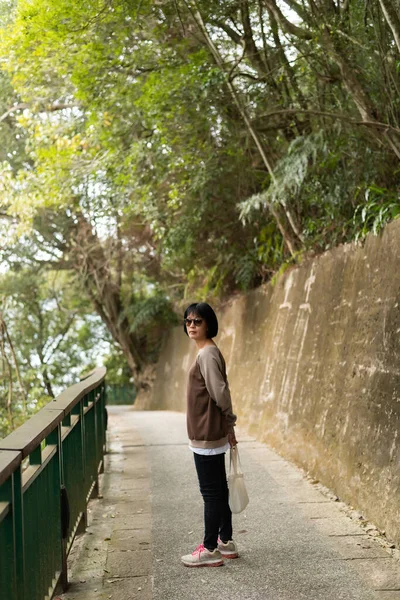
{"x": 132, "y": 171}
{"x": 156, "y": 130}
{"x": 270, "y": 247}
{"x": 246, "y": 270}
{"x": 148, "y": 311}
{"x": 150, "y": 315}
{"x": 51, "y": 339}
{"x": 288, "y": 264}
{"x": 289, "y": 174}
{"x": 118, "y": 372}
{"x": 381, "y": 206}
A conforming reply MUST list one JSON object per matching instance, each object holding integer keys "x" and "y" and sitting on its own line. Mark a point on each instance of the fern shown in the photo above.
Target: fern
{"x": 144, "y": 313}
{"x": 246, "y": 270}
{"x": 290, "y": 174}
{"x": 380, "y": 207}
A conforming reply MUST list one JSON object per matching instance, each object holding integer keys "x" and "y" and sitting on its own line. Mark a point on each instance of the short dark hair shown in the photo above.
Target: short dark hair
{"x": 204, "y": 310}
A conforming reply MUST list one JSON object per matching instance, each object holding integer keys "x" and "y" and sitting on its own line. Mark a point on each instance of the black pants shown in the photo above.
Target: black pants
{"x": 214, "y": 489}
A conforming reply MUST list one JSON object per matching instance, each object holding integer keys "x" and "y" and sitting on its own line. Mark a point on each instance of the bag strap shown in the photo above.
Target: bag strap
{"x": 240, "y": 470}
{"x": 233, "y": 460}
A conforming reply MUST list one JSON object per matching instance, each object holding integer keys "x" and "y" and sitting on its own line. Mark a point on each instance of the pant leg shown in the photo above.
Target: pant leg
{"x": 225, "y": 528}
{"x": 212, "y": 487}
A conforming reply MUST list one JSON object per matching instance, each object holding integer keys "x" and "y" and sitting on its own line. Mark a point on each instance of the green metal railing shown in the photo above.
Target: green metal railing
{"x": 49, "y": 470}
{"x": 121, "y": 394}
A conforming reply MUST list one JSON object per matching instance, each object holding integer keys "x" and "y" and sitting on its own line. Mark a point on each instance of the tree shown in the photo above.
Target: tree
{"x": 47, "y": 339}
{"x": 181, "y": 148}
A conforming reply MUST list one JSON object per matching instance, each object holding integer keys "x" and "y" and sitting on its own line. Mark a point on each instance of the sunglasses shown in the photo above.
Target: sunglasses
{"x": 196, "y": 322}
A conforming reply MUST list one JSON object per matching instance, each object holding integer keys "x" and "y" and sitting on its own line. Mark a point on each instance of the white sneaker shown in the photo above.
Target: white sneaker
{"x": 202, "y": 557}
{"x": 228, "y": 550}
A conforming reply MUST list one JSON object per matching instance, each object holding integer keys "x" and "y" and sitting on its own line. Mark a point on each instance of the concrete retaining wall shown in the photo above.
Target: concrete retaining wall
{"x": 314, "y": 369}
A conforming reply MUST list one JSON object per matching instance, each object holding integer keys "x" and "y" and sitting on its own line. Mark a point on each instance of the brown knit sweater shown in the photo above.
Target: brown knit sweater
{"x": 209, "y": 406}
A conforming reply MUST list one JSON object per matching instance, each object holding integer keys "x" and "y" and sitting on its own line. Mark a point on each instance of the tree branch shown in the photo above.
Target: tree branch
{"x": 285, "y": 24}
{"x": 50, "y": 351}
{"x": 392, "y": 20}
{"x": 250, "y": 46}
{"x": 248, "y": 75}
{"x": 10, "y": 343}
{"x": 296, "y": 7}
{"x": 234, "y": 35}
{"x": 288, "y": 111}
{"x": 51, "y": 108}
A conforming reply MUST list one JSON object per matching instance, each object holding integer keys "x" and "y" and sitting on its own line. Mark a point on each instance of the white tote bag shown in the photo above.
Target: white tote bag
{"x": 238, "y": 497}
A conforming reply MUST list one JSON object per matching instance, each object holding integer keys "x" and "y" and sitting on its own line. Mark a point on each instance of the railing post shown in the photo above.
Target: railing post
{"x": 103, "y": 416}
{"x": 54, "y": 438}
{"x": 95, "y": 491}
{"x": 18, "y": 509}
{"x": 63, "y": 581}
{"x": 7, "y": 583}
{"x": 79, "y": 410}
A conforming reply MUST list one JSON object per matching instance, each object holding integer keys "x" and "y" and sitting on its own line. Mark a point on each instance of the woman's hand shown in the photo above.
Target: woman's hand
{"x": 232, "y": 439}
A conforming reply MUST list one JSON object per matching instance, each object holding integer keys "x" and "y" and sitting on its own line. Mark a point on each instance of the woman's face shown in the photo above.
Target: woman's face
{"x": 196, "y": 332}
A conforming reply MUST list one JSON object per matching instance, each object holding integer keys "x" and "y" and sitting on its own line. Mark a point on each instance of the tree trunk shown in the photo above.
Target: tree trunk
{"x": 47, "y": 382}
{"x": 285, "y": 63}
{"x": 6, "y": 362}
{"x": 9, "y": 341}
{"x": 250, "y": 46}
{"x": 390, "y": 13}
{"x": 104, "y": 290}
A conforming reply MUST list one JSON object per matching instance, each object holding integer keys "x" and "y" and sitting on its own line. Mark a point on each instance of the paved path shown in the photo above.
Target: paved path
{"x": 295, "y": 542}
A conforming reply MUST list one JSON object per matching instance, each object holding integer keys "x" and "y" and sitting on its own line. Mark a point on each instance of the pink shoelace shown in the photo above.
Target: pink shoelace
{"x": 200, "y": 548}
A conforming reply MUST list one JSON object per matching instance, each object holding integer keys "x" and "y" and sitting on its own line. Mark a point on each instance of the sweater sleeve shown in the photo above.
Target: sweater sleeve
{"x": 217, "y": 386}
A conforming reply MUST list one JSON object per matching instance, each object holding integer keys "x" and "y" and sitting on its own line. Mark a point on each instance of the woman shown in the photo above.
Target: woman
{"x": 210, "y": 422}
